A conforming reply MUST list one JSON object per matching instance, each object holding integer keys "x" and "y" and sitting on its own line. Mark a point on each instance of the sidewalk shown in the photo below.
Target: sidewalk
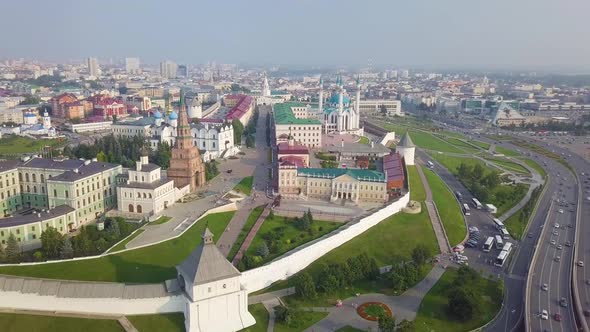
{"x": 437, "y": 225}
{"x": 250, "y": 237}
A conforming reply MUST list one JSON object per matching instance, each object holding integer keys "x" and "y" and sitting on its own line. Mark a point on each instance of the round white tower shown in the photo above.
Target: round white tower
{"x": 406, "y": 149}
{"x": 46, "y": 120}
{"x": 173, "y": 119}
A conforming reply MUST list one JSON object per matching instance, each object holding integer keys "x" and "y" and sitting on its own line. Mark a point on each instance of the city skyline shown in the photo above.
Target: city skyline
{"x": 461, "y": 34}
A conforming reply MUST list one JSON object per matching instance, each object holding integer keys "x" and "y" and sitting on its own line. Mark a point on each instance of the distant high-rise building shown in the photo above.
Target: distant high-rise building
{"x": 132, "y": 65}
{"x": 168, "y": 69}
{"x": 182, "y": 71}
{"x": 93, "y": 69}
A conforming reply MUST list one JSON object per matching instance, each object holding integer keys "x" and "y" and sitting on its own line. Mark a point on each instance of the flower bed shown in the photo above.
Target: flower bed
{"x": 373, "y": 310}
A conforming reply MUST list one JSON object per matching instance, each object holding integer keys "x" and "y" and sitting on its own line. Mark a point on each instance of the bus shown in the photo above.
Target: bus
{"x": 499, "y": 242}
{"x": 501, "y": 259}
{"x": 476, "y": 203}
{"x": 459, "y": 195}
{"x": 430, "y": 164}
{"x": 499, "y": 225}
{"x": 489, "y": 244}
{"x": 505, "y": 234}
{"x": 466, "y": 210}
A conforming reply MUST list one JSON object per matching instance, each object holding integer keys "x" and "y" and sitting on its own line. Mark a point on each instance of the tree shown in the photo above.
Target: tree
{"x": 305, "y": 286}
{"x": 262, "y": 250}
{"x": 51, "y": 242}
{"x": 420, "y": 254}
{"x": 302, "y": 223}
{"x": 163, "y": 155}
{"x": 383, "y": 110}
{"x": 30, "y": 100}
{"x": 461, "y": 304}
{"x": 66, "y": 250}
{"x": 238, "y": 131}
{"x": 328, "y": 284}
{"x": 101, "y": 245}
{"x": 38, "y": 256}
{"x": 250, "y": 142}
{"x": 101, "y": 157}
{"x": 113, "y": 230}
{"x": 309, "y": 216}
{"x": 283, "y": 314}
{"x": 386, "y": 323}
{"x": 406, "y": 326}
{"x": 12, "y": 249}
{"x": 271, "y": 215}
{"x": 2, "y": 254}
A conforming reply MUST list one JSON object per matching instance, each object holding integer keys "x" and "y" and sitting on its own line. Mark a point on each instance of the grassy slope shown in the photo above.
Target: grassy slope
{"x": 146, "y": 265}
{"x": 256, "y": 212}
{"x": 427, "y": 141}
{"x": 158, "y": 323}
{"x": 536, "y": 167}
{"x": 448, "y": 208}
{"x": 292, "y": 237}
{"x": 245, "y": 186}
{"x": 18, "y": 144}
{"x": 161, "y": 220}
{"x": 506, "y": 152}
{"x": 261, "y": 316}
{"x": 481, "y": 144}
{"x": 417, "y": 192}
{"x": 34, "y": 323}
{"x": 305, "y": 319}
{"x": 433, "y": 315}
{"x": 122, "y": 244}
{"x": 462, "y": 145}
{"x": 510, "y": 166}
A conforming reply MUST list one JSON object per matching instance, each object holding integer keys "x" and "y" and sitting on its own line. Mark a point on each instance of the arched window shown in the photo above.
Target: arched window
{"x": 150, "y": 195}
{"x": 67, "y": 194}
{"x": 54, "y": 193}
{"x": 27, "y": 177}
{"x": 138, "y": 208}
{"x": 144, "y": 195}
{"x": 130, "y": 207}
{"x": 42, "y": 178}
{"x": 34, "y": 177}
{"x": 35, "y": 189}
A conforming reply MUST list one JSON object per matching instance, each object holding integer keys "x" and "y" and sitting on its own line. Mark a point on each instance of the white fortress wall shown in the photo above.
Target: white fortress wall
{"x": 282, "y": 268}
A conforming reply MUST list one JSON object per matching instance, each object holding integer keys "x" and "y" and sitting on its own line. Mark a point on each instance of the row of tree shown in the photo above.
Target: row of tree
{"x": 465, "y": 294}
{"x": 479, "y": 182}
{"x": 406, "y": 274}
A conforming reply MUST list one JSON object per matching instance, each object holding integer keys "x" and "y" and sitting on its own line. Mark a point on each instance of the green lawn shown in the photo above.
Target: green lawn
{"x": 448, "y": 208}
{"x": 509, "y": 165}
{"x": 417, "y": 192}
{"x": 349, "y": 328}
{"x": 161, "y": 220}
{"x": 389, "y": 242}
{"x": 151, "y": 264}
{"x": 13, "y": 144}
{"x": 536, "y": 167}
{"x": 292, "y": 236}
{"x": 35, "y": 323}
{"x": 122, "y": 245}
{"x": 451, "y": 162}
{"x": 462, "y": 145}
{"x": 429, "y": 142}
{"x": 256, "y": 212}
{"x": 260, "y": 315}
{"x": 301, "y": 321}
{"x": 173, "y": 322}
{"x": 245, "y": 186}
{"x": 433, "y": 314}
{"x": 364, "y": 140}
{"x": 481, "y": 144}
{"x": 506, "y": 152}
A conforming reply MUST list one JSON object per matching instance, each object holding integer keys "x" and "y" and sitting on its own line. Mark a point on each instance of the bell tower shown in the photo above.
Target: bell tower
{"x": 186, "y": 166}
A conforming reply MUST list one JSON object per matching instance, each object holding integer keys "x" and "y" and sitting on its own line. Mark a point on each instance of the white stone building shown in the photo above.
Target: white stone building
{"x": 406, "y": 149}
{"x": 145, "y": 192}
{"x": 340, "y": 115}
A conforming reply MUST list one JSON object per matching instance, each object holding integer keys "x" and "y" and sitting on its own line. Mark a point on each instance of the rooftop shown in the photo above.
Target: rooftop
{"x": 84, "y": 171}
{"x": 285, "y": 148}
{"x": 406, "y": 141}
{"x": 284, "y": 115}
{"x": 330, "y": 173}
{"x": 19, "y": 220}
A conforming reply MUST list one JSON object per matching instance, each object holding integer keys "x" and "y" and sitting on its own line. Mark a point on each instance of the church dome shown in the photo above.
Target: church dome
{"x": 30, "y": 115}
{"x": 158, "y": 115}
{"x": 173, "y": 116}
{"x": 335, "y": 99}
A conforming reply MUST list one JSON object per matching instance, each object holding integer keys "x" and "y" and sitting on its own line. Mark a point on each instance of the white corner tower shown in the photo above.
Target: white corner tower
{"x": 406, "y": 149}
{"x": 46, "y": 120}
{"x": 215, "y": 299}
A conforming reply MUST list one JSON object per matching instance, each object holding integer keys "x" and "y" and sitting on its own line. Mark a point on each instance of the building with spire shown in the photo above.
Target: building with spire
{"x": 406, "y": 149}
{"x": 215, "y": 299}
{"x": 186, "y": 166}
{"x": 340, "y": 115}
{"x": 265, "y": 88}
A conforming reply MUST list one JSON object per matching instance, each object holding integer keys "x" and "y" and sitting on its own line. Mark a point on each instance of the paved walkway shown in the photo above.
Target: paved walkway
{"x": 251, "y": 234}
{"x": 269, "y": 306}
{"x": 437, "y": 225}
{"x": 270, "y": 295}
{"x": 403, "y": 307}
{"x": 126, "y": 324}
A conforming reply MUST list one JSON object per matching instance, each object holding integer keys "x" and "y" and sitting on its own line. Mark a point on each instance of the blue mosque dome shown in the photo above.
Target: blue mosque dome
{"x": 335, "y": 99}
{"x": 158, "y": 115}
{"x": 173, "y": 116}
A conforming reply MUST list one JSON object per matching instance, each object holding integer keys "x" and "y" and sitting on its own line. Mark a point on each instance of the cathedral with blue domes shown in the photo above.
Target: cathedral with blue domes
{"x": 339, "y": 114}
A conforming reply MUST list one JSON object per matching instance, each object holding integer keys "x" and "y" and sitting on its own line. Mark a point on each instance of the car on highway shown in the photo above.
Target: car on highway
{"x": 544, "y": 287}
{"x": 556, "y": 225}
{"x": 557, "y": 258}
{"x": 557, "y": 317}
{"x": 580, "y": 263}
{"x": 552, "y": 242}
{"x": 560, "y": 210}
{"x": 563, "y": 302}
{"x": 530, "y": 235}
{"x": 559, "y": 247}
{"x": 568, "y": 243}
{"x": 544, "y": 314}
{"x": 556, "y": 233}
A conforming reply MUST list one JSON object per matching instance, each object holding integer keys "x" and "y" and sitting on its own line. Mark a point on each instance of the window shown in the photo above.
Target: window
{"x": 54, "y": 192}
{"x": 67, "y": 194}
{"x": 42, "y": 178}
{"x": 34, "y": 177}
{"x": 27, "y": 177}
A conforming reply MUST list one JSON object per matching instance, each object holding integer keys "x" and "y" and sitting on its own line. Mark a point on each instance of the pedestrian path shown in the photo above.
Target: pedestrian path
{"x": 270, "y": 295}
{"x": 250, "y": 237}
{"x": 437, "y": 225}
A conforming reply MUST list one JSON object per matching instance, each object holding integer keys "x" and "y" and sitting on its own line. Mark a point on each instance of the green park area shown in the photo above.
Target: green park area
{"x": 481, "y": 144}
{"x": 364, "y": 140}
{"x": 506, "y": 152}
{"x": 448, "y": 208}
{"x": 278, "y": 235}
{"x": 13, "y": 144}
{"x": 461, "y": 300}
{"x": 252, "y": 217}
{"x": 245, "y": 185}
{"x": 349, "y": 328}
{"x": 123, "y": 244}
{"x": 461, "y": 144}
{"x": 517, "y": 223}
{"x": 429, "y": 142}
{"x": 533, "y": 164}
{"x": 509, "y": 165}
{"x": 150, "y": 264}
{"x": 417, "y": 192}
{"x": 299, "y": 320}
{"x": 144, "y": 323}
{"x": 260, "y": 315}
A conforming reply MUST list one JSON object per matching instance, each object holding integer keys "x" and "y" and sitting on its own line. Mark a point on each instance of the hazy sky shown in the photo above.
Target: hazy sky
{"x": 433, "y": 33}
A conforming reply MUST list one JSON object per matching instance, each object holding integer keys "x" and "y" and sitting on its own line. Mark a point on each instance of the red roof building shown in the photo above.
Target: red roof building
{"x": 394, "y": 171}
{"x": 242, "y": 107}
